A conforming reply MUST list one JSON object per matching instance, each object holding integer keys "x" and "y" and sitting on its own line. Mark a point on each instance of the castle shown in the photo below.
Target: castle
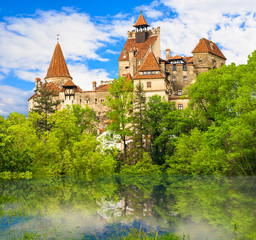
{"x": 140, "y": 60}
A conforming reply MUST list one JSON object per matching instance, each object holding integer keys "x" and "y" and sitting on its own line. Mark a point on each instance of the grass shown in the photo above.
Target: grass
{"x": 140, "y": 234}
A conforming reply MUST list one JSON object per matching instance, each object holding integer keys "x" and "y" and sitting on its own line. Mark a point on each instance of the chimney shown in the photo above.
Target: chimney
{"x": 163, "y": 67}
{"x": 94, "y": 85}
{"x": 38, "y": 83}
{"x": 124, "y": 54}
{"x": 168, "y": 54}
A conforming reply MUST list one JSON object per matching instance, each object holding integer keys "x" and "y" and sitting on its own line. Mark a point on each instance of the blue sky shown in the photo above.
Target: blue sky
{"x": 92, "y": 34}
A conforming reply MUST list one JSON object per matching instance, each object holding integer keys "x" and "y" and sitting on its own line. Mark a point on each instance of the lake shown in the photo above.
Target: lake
{"x": 202, "y": 207}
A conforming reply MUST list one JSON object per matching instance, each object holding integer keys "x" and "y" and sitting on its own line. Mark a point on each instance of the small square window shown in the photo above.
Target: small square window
{"x": 180, "y": 106}
{"x": 179, "y": 92}
{"x": 185, "y": 78}
{"x": 148, "y": 84}
{"x": 174, "y": 78}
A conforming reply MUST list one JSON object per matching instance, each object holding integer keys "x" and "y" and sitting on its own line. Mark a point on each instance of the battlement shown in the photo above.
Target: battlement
{"x": 151, "y": 32}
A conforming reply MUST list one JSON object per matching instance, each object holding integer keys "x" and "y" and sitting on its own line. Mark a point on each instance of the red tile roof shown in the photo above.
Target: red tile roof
{"x": 102, "y": 88}
{"x": 129, "y": 77}
{"x": 150, "y": 64}
{"x": 156, "y": 76}
{"x": 141, "y": 22}
{"x": 141, "y": 48}
{"x": 175, "y": 57}
{"x": 33, "y": 96}
{"x": 189, "y": 59}
{"x": 58, "y": 66}
{"x": 52, "y": 87}
{"x": 69, "y": 83}
{"x": 205, "y": 45}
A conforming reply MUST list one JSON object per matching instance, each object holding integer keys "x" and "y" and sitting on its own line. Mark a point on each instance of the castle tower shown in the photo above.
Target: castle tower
{"x": 138, "y": 45}
{"x": 141, "y": 29}
{"x": 207, "y": 55}
{"x": 58, "y": 71}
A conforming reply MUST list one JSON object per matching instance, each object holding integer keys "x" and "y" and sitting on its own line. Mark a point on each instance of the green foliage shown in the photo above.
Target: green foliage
{"x": 120, "y": 104}
{"x": 85, "y": 117}
{"x": 213, "y": 95}
{"x": 165, "y": 123}
{"x": 140, "y": 234}
{"x": 195, "y": 154}
{"x": 68, "y": 148}
{"x": 143, "y": 166}
{"x": 45, "y": 101}
{"x": 139, "y": 123}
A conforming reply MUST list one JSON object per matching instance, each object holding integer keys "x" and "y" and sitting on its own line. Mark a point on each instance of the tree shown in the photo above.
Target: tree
{"x": 139, "y": 122}
{"x": 45, "y": 104}
{"x": 212, "y": 96}
{"x": 120, "y": 104}
{"x": 85, "y": 117}
{"x": 198, "y": 153}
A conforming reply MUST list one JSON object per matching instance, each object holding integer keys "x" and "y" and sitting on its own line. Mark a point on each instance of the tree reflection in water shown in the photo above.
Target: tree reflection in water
{"x": 62, "y": 208}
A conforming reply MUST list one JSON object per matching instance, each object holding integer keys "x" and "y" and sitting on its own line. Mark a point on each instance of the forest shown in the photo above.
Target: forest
{"x": 215, "y": 135}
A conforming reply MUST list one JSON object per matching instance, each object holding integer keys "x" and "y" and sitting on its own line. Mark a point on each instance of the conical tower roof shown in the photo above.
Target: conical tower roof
{"x": 58, "y": 66}
{"x": 141, "y": 22}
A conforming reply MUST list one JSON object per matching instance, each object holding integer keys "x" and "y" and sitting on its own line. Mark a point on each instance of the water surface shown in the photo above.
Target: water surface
{"x": 64, "y": 208}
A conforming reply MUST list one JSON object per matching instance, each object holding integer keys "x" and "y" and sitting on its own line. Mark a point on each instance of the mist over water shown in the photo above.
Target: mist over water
{"x": 64, "y": 208}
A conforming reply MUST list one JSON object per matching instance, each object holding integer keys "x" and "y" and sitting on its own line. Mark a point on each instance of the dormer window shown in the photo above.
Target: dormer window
{"x": 149, "y": 73}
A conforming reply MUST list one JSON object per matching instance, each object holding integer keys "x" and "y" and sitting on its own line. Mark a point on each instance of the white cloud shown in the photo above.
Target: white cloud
{"x": 231, "y": 24}
{"x": 112, "y": 52}
{"x": 13, "y": 100}
{"x": 150, "y": 10}
{"x": 27, "y": 43}
{"x": 84, "y": 77}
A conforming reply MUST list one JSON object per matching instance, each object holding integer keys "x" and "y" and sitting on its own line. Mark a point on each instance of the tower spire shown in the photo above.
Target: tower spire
{"x": 141, "y": 22}
{"x": 58, "y": 66}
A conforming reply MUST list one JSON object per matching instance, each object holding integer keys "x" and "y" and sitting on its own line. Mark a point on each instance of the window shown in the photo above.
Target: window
{"x": 174, "y": 78}
{"x": 179, "y": 92}
{"x": 87, "y": 101}
{"x": 185, "y": 78}
{"x": 148, "y": 84}
{"x": 102, "y": 101}
{"x": 96, "y": 100}
{"x": 170, "y": 92}
{"x": 184, "y": 67}
{"x": 174, "y": 67}
{"x": 126, "y": 67}
{"x": 180, "y": 106}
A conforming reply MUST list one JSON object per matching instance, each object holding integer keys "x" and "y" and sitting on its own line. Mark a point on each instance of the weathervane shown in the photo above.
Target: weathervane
{"x": 58, "y": 37}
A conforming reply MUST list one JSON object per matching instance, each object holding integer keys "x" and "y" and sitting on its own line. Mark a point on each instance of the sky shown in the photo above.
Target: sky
{"x": 93, "y": 33}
